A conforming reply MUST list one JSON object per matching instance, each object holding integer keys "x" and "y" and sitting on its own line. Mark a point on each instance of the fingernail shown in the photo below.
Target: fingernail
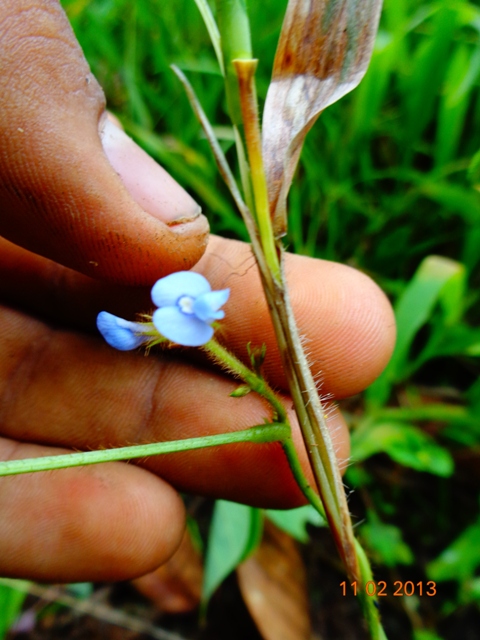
{"x": 147, "y": 182}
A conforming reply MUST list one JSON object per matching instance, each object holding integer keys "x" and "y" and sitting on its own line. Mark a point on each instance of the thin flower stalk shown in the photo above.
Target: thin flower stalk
{"x": 233, "y": 365}
{"x": 258, "y": 434}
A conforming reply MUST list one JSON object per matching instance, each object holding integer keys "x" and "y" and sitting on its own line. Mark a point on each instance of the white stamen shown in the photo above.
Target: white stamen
{"x": 185, "y": 304}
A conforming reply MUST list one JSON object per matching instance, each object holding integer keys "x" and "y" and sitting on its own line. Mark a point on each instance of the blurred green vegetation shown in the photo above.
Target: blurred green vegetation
{"x": 389, "y": 182}
{"x": 388, "y": 162}
{"x": 11, "y": 602}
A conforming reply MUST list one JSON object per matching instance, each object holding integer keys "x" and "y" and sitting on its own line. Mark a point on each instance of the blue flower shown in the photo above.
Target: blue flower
{"x": 187, "y": 308}
{"x": 119, "y": 333}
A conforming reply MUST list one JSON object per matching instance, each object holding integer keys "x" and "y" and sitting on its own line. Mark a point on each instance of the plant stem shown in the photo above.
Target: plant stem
{"x": 220, "y": 355}
{"x": 369, "y": 603}
{"x": 228, "y": 361}
{"x": 236, "y": 43}
{"x": 308, "y": 491}
{"x": 313, "y": 425}
{"x": 258, "y": 434}
{"x": 248, "y": 100}
{"x": 302, "y": 386}
{"x": 332, "y": 502}
{"x": 244, "y": 167}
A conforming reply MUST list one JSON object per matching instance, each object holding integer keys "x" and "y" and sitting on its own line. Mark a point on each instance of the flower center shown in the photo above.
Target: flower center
{"x": 185, "y": 304}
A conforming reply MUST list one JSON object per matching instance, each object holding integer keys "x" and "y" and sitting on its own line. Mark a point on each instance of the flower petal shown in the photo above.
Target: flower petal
{"x": 206, "y": 307}
{"x": 180, "y": 328}
{"x": 119, "y": 333}
{"x": 168, "y": 290}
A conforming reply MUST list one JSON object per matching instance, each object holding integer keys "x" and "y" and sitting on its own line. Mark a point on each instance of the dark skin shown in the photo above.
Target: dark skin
{"x": 89, "y": 222}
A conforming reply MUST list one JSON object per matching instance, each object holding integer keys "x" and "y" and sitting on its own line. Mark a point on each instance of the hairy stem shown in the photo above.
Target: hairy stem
{"x": 258, "y": 434}
{"x": 302, "y": 386}
{"x": 228, "y": 361}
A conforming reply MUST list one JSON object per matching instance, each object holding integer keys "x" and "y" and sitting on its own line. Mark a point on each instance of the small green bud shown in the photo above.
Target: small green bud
{"x": 240, "y": 391}
{"x": 257, "y": 356}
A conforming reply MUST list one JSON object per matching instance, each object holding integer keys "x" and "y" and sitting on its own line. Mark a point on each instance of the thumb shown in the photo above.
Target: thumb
{"x": 73, "y": 187}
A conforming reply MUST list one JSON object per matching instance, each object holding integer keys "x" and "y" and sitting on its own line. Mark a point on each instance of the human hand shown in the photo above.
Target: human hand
{"x": 70, "y": 224}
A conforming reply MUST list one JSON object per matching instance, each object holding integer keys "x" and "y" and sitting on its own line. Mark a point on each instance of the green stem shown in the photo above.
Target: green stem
{"x": 220, "y": 355}
{"x": 244, "y": 167}
{"x": 302, "y": 386}
{"x": 308, "y": 491}
{"x": 258, "y": 434}
{"x": 233, "y": 365}
{"x": 303, "y": 389}
{"x": 312, "y": 423}
{"x": 369, "y": 603}
{"x": 245, "y": 70}
{"x": 236, "y": 43}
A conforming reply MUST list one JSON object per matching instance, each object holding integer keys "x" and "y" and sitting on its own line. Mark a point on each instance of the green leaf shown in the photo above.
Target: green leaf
{"x": 452, "y": 295}
{"x": 474, "y": 171}
{"x": 471, "y": 591}
{"x": 235, "y": 40}
{"x": 212, "y": 29}
{"x": 459, "y": 340}
{"x": 473, "y": 395}
{"x": 428, "y": 69}
{"x": 405, "y": 444}
{"x": 461, "y": 78}
{"x": 418, "y": 301}
{"x": 425, "y": 634}
{"x": 385, "y": 543}
{"x": 11, "y": 601}
{"x": 413, "y": 309}
{"x": 460, "y": 560}
{"x": 235, "y": 533}
{"x": 454, "y": 198}
{"x": 294, "y": 521}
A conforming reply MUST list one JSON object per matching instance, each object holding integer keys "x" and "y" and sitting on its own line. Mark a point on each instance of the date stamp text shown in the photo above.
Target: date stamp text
{"x": 398, "y": 589}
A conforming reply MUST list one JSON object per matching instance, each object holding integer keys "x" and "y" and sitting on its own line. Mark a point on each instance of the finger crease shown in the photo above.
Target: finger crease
{"x": 21, "y": 377}
{"x": 150, "y": 407}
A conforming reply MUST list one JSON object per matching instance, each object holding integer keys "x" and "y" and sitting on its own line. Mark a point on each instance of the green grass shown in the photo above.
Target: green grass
{"x": 388, "y": 163}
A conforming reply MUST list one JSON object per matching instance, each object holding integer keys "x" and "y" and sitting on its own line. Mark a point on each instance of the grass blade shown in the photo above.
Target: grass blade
{"x": 212, "y": 29}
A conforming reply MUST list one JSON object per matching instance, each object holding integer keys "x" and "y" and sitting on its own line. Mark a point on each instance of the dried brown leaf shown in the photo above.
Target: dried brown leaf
{"x": 323, "y": 52}
{"x": 175, "y": 587}
{"x": 273, "y": 585}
